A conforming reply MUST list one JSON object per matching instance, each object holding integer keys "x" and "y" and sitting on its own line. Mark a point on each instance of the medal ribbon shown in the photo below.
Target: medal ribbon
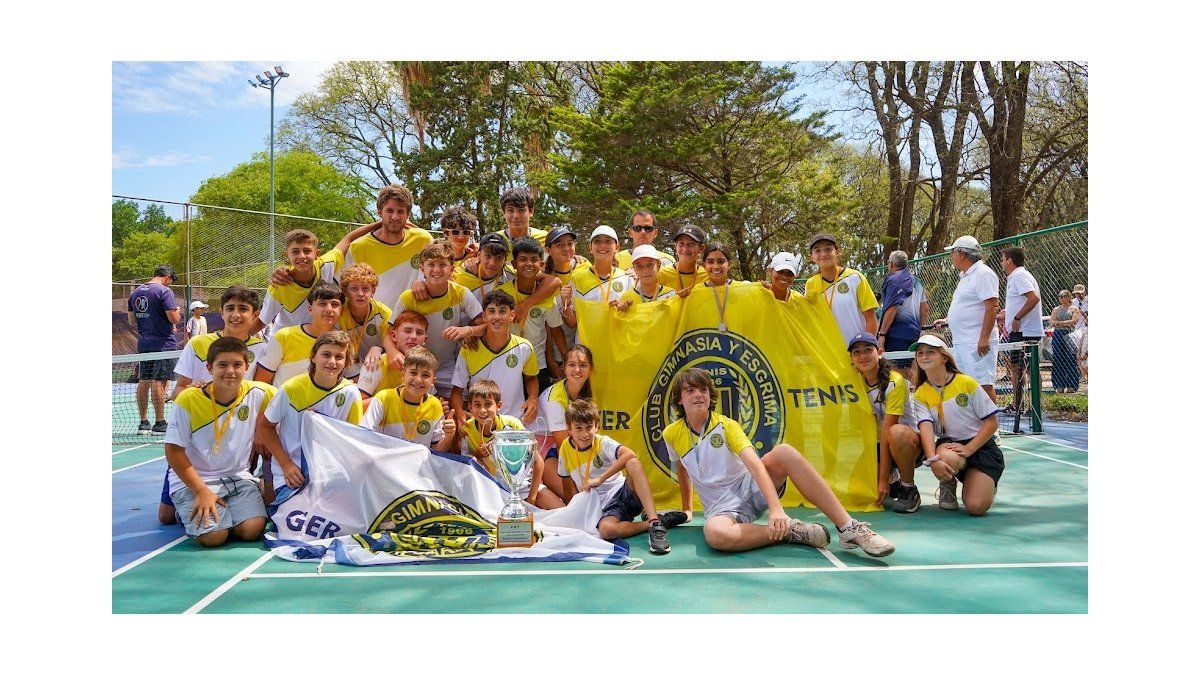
{"x": 218, "y": 428}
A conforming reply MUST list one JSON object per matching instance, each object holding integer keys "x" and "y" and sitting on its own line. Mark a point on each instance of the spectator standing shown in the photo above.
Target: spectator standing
{"x": 1023, "y": 315}
{"x": 900, "y": 325}
{"x": 1080, "y": 302}
{"x": 972, "y": 316}
{"x": 153, "y": 310}
{"x": 196, "y": 323}
{"x": 1064, "y": 318}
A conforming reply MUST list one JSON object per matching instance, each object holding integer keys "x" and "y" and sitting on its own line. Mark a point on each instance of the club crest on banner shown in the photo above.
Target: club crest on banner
{"x": 748, "y": 389}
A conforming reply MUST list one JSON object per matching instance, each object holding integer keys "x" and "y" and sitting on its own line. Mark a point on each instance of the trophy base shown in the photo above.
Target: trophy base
{"x": 514, "y": 532}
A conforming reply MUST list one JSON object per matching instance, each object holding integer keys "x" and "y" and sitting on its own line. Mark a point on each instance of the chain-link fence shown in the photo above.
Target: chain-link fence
{"x": 211, "y": 248}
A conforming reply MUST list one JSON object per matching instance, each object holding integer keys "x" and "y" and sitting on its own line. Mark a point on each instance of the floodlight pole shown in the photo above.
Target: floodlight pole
{"x": 269, "y": 83}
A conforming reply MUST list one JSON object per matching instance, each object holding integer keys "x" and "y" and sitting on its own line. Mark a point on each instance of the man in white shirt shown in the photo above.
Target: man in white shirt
{"x": 972, "y": 316}
{"x": 1022, "y": 315}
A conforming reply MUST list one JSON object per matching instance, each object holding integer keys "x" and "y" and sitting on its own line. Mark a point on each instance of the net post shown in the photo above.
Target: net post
{"x": 1035, "y": 389}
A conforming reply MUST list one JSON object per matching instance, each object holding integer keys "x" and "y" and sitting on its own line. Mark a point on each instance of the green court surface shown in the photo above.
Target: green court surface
{"x": 1028, "y": 555}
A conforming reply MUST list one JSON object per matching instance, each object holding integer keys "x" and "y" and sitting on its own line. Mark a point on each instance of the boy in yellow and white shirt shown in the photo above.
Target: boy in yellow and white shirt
{"x": 208, "y": 444}
{"x": 452, "y": 311}
{"x": 483, "y": 400}
{"x": 409, "y": 330}
{"x": 502, "y": 357}
{"x": 589, "y": 461}
{"x": 737, "y": 486}
{"x": 411, "y": 412}
{"x": 393, "y": 250}
{"x": 288, "y": 351}
{"x": 527, "y": 258}
{"x": 843, "y": 290}
{"x": 239, "y": 309}
{"x": 364, "y": 318}
{"x": 323, "y": 390}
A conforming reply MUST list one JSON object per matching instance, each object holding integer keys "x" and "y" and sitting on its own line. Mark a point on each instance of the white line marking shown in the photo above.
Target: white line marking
{"x": 832, "y": 558}
{"x": 134, "y": 466}
{"x": 734, "y": 570}
{"x": 1045, "y": 457}
{"x": 146, "y": 557}
{"x": 117, "y": 452}
{"x": 229, "y": 583}
{"x": 1045, "y": 440}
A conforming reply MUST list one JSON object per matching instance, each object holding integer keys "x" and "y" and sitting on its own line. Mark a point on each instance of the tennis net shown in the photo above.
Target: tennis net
{"x": 126, "y": 370}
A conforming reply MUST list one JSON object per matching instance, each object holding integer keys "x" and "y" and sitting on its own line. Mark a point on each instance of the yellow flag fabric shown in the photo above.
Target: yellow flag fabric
{"x": 780, "y": 368}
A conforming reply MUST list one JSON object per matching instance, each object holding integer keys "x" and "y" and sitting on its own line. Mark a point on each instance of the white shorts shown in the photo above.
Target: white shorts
{"x": 981, "y": 368}
{"x": 744, "y": 502}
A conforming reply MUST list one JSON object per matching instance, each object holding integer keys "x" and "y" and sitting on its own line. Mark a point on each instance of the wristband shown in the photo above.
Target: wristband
{"x": 930, "y": 461}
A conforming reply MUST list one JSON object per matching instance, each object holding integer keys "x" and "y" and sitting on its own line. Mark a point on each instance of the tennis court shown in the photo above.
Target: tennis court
{"x": 1028, "y": 555}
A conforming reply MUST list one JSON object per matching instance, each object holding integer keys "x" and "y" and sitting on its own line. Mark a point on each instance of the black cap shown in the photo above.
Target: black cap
{"x": 494, "y": 238}
{"x": 557, "y": 233}
{"x": 822, "y": 236}
{"x": 690, "y": 231}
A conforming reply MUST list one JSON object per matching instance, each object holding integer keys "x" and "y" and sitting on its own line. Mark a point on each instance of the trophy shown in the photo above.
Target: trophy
{"x": 513, "y": 450}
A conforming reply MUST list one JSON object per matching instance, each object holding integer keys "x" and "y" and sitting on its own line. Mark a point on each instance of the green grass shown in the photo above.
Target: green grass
{"x": 1072, "y": 403}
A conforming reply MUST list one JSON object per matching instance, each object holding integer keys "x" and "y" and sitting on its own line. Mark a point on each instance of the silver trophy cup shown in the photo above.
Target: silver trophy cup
{"x": 513, "y": 450}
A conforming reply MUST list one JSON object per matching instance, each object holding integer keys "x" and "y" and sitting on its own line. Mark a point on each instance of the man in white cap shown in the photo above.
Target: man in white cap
{"x": 972, "y": 316}
{"x": 196, "y": 323}
{"x": 1080, "y": 302}
{"x": 781, "y": 273}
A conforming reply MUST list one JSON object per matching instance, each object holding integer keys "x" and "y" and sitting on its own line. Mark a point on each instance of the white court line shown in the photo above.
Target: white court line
{"x": 229, "y": 583}
{"x": 832, "y": 558}
{"x": 1045, "y": 457}
{"x": 117, "y": 452}
{"x": 134, "y": 466}
{"x": 732, "y": 570}
{"x": 1045, "y": 440}
{"x": 146, "y": 557}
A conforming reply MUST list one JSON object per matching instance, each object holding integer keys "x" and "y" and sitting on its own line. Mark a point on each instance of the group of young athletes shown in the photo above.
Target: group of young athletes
{"x": 442, "y": 342}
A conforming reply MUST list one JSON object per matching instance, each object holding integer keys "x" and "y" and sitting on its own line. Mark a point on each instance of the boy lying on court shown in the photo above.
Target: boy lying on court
{"x": 595, "y": 462}
{"x": 737, "y": 487}
{"x": 208, "y": 445}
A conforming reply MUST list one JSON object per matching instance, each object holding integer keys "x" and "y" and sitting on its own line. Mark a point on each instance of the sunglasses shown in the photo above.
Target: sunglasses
{"x": 643, "y": 228}
{"x": 456, "y": 232}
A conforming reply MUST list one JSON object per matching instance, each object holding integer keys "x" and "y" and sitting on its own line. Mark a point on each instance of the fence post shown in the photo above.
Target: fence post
{"x": 187, "y": 225}
{"x": 1035, "y": 390}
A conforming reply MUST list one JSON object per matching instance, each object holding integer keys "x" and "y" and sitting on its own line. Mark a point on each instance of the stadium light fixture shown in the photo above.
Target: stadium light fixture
{"x": 272, "y": 79}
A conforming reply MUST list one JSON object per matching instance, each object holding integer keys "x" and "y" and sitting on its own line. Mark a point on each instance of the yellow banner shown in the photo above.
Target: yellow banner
{"x": 780, "y": 368}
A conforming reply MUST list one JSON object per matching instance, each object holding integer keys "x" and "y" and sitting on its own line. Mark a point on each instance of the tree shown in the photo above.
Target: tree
{"x": 717, "y": 144}
{"x": 1008, "y": 90}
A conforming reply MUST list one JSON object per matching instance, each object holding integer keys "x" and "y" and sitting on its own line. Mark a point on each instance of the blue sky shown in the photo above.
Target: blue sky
{"x": 176, "y": 123}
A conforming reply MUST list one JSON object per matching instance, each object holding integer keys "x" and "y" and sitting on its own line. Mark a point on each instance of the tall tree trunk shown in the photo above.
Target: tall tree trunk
{"x": 1009, "y": 91}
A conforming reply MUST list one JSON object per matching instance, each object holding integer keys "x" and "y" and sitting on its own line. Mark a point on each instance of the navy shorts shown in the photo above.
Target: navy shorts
{"x": 624, "y": 505}
{"x": 165, "y": 498}
{"x": 988, "y": 458}
{"x": 161, "y": 370}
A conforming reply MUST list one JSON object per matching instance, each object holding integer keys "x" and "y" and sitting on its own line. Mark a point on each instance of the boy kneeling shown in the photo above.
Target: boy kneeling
{"x": 584, "y": 451}
{"x": 208, "y": 445}
{"x": 737, "y": 487}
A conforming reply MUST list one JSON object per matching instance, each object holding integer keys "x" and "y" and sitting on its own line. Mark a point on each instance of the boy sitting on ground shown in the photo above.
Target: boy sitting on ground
{"x": 737, "y": 487}
{"x": 208, "y": 446}
{"x": 484, "y": 399}
{"x": 323, "y": 390}
{"x": 595, "y": 462}
{"x": 411, "y": 412}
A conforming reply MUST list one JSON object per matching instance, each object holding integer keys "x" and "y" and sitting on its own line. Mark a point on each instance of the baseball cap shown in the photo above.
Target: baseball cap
{"x": 1079, "y": 288}
{"x": 604, "y": 231}
{"x": 966, "y": 242}
{"x": 645, "y": 251}
{"x": 784, "y": 261}
{"x": 196, "y": 304}
{"x": 868, "y": 338}
{"x": 931, "y": 340}
{"x": 494, "y": 238}
{"x": 558, "y": 233}
{"x": 822, "y": 236}
{"x": 689, "y": 231}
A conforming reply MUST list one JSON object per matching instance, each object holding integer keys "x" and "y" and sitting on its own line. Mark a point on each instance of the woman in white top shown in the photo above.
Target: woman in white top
{"x": 550, "y": 427}
{"x": 899, "y": 444}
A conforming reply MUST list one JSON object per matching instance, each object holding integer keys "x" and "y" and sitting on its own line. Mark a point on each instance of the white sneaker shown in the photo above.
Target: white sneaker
{"x": 809, "y": 534}
{"x": 859, "y": 535}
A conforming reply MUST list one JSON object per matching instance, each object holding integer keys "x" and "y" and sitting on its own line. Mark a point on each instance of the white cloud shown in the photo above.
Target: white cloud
{"x": 189, "y": 88}
{"x": 128, "y": 158}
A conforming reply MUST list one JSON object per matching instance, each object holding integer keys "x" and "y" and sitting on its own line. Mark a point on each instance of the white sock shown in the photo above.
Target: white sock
{"x": 846, "y": 526}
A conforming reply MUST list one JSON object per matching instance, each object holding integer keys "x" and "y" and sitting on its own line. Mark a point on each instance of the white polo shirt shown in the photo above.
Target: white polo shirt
{"x": 977, "y": 284}
{"x": 1021, "y": 282}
